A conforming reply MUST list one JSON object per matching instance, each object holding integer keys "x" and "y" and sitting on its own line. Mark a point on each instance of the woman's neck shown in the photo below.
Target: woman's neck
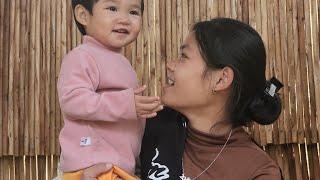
{"x": 209, "y": 120}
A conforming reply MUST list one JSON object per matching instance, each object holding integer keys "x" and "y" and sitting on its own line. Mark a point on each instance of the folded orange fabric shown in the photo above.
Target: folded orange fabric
{"x": 112, "y": 174}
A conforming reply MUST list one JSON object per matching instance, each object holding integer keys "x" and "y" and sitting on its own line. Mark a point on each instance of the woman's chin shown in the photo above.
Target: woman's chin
{"x": 166, "y": 100}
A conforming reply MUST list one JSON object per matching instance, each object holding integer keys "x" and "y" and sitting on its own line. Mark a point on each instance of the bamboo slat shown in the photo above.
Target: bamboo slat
{"x": 245, "y": 11}
{"x": 221, "y": 8}
{"x": 299, "y": 117}
{"x": 271, "y": 56}
{"x": 292, "y": 121}
{"x": 1, "y": 69}
{"x": 215, "y": 9}
{"x": 311, "y": 86}
{"x": 196, "y": 11}
{"x": 304, "y": 75}
{"x": 227, "y": 8}
{"x": 277, "y": 68}
{"x": 304, "y": 160}
{"x": 10, "y": 87}
{"x": 5, "y": 78}
{"x": 47, "y": 59}
{"x": 146, "y": 49}
{"x": 284, "y": 62}
{"x": 37, "y": 82}
{"x": 53, "y": 128}
{"x": 234, "y": 8}
{"x": 57, "y": 65}
{"x": 203, "y": 10}
{"x": 152, "y": 56}
{"x": 158, "y": 50}
{"x": 239, "y": 10}
{"x": 315, "y": 29}
{"x": 42, "y": 81}
{"x": 23, "y": 31}
{"x": 31, "y": 105}
{"x": 27, "y": 78}
{"x": 163, "y": 43}
{"x": 258, "y": 27}
{"x": 179, "y": 24}
{"x": 169, "y": 55}
{"x": 174, "y": 30}
{"x": 297, "y": 162}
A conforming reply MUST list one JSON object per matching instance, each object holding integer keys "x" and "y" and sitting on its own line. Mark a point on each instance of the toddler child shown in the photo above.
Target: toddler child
{"x": 104, "y": 113}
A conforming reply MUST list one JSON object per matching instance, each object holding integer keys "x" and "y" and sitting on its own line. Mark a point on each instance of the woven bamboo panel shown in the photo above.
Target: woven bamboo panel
{"x": 36, "y": 34}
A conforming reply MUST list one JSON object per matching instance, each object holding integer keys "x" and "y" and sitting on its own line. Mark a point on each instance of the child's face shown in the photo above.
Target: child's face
{"x": 115, "y": 23}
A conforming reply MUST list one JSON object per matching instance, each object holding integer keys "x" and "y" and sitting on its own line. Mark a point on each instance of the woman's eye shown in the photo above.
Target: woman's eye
{"x": 183, "y": 56}
{"x": 112, "y": 8}
{"x": 134, "y": 13}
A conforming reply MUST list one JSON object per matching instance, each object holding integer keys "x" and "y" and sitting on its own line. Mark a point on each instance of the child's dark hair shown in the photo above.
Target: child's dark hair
{"x": 225, "y": 42}
{"x": 88, "y": 4}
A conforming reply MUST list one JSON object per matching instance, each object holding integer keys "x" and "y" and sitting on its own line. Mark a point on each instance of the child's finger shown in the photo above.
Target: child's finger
{"x": 147, "y": 106}
{"x": 150, "y": 115}
{"x": 140, "y": 89}
{"x": 158, "y": 108}
{"x": 148, "y": 99}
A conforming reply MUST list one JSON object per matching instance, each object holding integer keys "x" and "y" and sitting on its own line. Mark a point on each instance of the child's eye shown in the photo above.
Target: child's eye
{"x": 112, "y": 8}
{"x": 135, "y": 13}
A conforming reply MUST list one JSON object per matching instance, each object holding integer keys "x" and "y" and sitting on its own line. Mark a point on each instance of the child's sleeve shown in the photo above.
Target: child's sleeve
{"x": 77, "y": 84}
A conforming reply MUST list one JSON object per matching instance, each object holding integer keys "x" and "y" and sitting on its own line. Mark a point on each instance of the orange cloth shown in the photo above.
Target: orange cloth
{"x": 112, "y": 174}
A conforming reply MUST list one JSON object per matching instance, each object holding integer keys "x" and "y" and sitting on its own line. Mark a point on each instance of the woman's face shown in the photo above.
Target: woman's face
{"x": 187, "y": 86}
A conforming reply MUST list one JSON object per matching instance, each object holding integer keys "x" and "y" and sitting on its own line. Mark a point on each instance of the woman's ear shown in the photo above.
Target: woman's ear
{"x": 223, "y": 79}
{"x": 81, "y": 14}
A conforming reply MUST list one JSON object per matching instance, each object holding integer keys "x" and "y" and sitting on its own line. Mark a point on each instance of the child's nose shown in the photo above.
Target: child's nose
{"x": 124, "y": 19}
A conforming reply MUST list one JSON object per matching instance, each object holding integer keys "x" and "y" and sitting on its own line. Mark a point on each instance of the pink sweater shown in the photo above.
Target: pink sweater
{"x": 96, "y": 97}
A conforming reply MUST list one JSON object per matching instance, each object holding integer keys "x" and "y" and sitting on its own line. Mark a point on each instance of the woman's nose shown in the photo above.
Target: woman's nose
{"x": 171, "y": 65}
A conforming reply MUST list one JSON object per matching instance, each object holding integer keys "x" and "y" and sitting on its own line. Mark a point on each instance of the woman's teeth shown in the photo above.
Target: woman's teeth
{"x": 170, "y": 82}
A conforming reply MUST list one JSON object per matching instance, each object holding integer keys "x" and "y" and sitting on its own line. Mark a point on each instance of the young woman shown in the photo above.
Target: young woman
{"x": 216, "y": 87}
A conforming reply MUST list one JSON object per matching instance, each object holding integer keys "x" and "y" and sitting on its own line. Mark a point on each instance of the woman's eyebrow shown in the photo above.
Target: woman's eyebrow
{"x": 184, "y": 46}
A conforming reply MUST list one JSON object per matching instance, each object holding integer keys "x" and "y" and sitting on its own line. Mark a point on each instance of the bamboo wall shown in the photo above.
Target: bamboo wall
{"x": 36, "y": 34}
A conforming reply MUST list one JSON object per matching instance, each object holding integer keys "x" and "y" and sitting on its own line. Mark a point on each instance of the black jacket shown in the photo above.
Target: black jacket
{"x": 163, "y": 146}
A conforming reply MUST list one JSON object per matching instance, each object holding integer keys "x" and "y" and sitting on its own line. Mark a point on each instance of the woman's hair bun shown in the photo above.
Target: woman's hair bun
{"x": 266, "y": 107}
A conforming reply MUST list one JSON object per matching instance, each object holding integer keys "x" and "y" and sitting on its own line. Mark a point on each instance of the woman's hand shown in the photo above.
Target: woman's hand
{"x": 93, "y": 172}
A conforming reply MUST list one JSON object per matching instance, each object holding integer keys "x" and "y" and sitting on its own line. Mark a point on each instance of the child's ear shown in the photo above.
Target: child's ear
{"x": 81, "y": 14}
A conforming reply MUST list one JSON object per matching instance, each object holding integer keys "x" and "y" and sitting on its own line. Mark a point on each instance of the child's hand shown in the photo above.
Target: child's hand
{"x": 146, "y": 106}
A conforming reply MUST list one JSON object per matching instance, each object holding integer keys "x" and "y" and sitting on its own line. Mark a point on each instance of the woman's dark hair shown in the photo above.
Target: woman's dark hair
{"x": 225, "y": 42}
{"x": 88, "y": 4}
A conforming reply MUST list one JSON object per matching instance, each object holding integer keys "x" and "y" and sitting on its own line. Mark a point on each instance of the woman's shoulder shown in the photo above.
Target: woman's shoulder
{"x": 260, "y": 165}
{"x": 265, "y": 168}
